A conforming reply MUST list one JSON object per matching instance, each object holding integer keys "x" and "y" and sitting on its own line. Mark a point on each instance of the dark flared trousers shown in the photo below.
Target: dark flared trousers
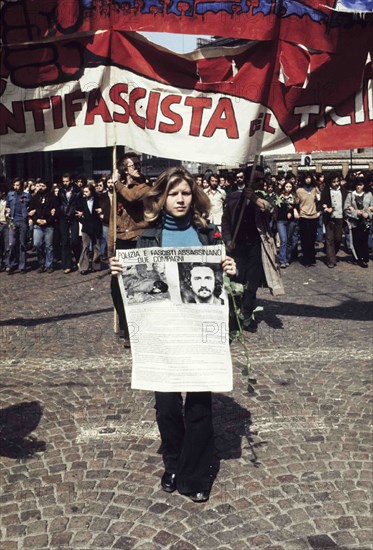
{"x": 187, "y": 441}
{"x": 333, "y": 239}
{"x": 70, "y": 242}
{"x": 360, "y": 248}
{"x": 307, "y": 233}
{"x": 248, "y": 258}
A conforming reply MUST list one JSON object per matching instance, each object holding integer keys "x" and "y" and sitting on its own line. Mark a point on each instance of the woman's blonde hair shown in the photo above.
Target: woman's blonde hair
{"x": 155, "y": 198}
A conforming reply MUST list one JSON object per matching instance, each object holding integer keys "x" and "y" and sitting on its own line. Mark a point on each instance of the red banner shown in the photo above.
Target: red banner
{"x": 113, "y": 87}
{"x": 313, "y": 23}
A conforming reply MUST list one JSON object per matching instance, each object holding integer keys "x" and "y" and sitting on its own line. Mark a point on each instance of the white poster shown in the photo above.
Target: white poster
{"x": 177, "y": 312}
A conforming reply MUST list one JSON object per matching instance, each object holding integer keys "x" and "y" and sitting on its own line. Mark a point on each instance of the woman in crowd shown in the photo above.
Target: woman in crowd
{"x": 91, "y": 230}
{"x": 308, "y": 198}
{"x": 358, "y": 209}
{"x": 177, "y": 210}
{"x": 287, "y": 215}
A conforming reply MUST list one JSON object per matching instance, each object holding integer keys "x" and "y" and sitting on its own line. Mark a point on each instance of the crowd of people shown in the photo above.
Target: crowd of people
{"x": 324, "y": 209}
{"x": 67, "y": 223}
{"x": 267, "y": 222}
{"x": 81, "y": 224}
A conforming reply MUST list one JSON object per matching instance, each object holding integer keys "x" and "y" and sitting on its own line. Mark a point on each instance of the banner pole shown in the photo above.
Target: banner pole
{"x": 243, "y": 205}
{"x": 114, "y": 214}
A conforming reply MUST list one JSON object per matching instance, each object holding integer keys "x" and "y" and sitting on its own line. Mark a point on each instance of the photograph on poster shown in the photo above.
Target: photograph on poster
{"x": 145, "y": 283}
{"x": 201, "y": 283}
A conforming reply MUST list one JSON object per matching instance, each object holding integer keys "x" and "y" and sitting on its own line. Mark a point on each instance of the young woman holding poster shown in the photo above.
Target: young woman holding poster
{"x": 177, "y": 210}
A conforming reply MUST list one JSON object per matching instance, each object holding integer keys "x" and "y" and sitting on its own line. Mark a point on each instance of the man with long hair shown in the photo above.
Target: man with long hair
{"x": 201, "y": 283}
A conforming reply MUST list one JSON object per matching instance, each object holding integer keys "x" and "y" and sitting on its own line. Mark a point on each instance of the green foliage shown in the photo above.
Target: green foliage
{"x": 235, "y": 291}
{"x": 278, "y": 201}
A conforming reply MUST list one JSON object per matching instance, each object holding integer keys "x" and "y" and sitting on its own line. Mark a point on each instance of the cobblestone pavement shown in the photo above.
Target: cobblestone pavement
{"x": 295, "y": 470}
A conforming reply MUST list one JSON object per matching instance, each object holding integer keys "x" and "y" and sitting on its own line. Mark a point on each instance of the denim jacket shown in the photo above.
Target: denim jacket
{"x": 11, "y": 203}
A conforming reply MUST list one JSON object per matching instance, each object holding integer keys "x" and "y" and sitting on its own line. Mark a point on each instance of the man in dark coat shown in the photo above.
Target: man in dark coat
{"x": 246, "y": 246}
{"x": 43, "y": 212}
{"x": 89, "y": 216}
{"x": 69, "y": 196}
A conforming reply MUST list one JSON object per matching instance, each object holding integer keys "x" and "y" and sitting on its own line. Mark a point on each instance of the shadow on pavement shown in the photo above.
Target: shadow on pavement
{"x": 232, "y": 426}
{"x": 353, "y": 310}
{"x": 16, "y": 424}
{"x": 21, "y": 321}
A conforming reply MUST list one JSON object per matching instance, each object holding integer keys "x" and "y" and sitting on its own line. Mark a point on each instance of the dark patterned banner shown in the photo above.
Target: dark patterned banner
{"x": 313, "y": 23}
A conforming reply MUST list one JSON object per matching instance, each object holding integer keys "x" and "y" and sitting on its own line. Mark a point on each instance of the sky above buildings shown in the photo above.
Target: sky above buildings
{"x": 179, "y": 43}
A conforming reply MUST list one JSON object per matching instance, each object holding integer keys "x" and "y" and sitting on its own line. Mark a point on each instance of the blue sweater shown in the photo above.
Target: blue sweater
{"x": 179, "y": 232}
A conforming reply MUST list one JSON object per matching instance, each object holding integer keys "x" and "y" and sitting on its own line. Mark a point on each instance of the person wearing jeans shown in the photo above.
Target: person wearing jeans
{"x": 43, "y": 238}
{"x": 43, "y": 212}
{"x": 17, "y": 247}
{"x": 287, "y": 215}
{"x": 17, "y": 211}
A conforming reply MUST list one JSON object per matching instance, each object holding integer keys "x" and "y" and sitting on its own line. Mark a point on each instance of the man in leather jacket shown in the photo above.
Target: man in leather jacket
{"x": 69, "y": 202}
{"x": 43, "y": 212}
